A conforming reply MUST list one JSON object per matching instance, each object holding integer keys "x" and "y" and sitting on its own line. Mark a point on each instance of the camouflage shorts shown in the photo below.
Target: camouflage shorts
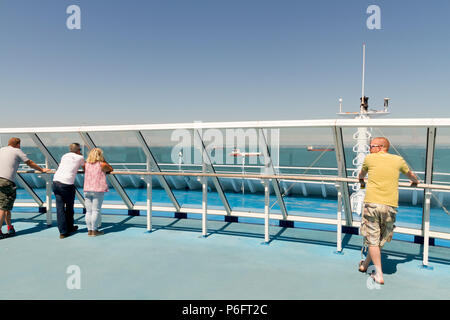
{"x": 7, "y": 194}
{"x": 377, "y": 224}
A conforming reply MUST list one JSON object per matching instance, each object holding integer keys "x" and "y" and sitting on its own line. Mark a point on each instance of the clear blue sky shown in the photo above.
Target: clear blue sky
{"x": 164, "y": 61}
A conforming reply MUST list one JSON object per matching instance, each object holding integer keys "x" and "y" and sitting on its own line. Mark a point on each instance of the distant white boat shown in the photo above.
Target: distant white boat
{"x": 312, "y": 148}
{"x": 238, "y": 153}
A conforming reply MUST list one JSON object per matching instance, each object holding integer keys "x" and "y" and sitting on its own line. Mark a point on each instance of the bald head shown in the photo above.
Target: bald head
{"x": 379, "y": 144}
{"x": 14, "y": 142}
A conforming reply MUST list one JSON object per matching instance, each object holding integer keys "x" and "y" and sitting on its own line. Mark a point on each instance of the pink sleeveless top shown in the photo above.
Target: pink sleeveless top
{"x": 94, "y": 178}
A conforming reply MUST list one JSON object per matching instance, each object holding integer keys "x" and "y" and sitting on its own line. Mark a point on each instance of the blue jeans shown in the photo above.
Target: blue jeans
{"x": 65, "y": 197}
{"x": 93, "y": 202}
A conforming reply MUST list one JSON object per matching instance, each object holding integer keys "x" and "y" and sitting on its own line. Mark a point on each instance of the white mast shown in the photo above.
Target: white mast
{"x": 363, "y": 71}
{"x": 362, "y": 137}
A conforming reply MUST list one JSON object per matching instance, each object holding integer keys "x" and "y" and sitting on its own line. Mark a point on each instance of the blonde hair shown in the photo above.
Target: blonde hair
{"x": 95, "y": 155}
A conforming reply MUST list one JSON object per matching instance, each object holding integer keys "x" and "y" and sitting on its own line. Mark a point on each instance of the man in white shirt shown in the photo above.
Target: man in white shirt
{"x": 64, "y": 189}
{"x": 10, "y": 158}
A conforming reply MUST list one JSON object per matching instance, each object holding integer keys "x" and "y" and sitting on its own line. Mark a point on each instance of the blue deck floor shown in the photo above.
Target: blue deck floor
{"x": 175, "y": 262}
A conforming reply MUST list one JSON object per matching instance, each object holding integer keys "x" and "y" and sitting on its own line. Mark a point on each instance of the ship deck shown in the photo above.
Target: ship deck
{"x": 175, "y": 262}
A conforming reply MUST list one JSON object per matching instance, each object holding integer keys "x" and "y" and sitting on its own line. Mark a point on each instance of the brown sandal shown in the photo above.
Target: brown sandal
{"x": 97, "y": 233}
{"x": 361, "y": 269}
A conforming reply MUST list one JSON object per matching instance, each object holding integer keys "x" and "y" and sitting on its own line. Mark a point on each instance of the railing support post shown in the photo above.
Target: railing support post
{"x": 204, "y": 206}
{"x": 431, "y": 140}
{"x": 426, "y": 228}
{"x": 149, "y": 202}
{"x": 339, "y": 220}
{"x": 48, "y": 196}
{"x": 266, "y": 211}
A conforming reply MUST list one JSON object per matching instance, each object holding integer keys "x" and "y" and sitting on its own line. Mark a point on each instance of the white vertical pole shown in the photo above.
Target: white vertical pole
{"x": 431, "y": 140}
{"x": 243, "y": 172}
{"x": 266, "y": 211}
{"x": 149, "y": 202}
{"x": 363, "y": 74}
{"x": 339, "y": 219}
{"x": 204, "y": 206}
{"x": 149, "y": 181}
{"x": 48, "y": 197}
{"x": 426, "y": 226}
{"x": 204, "y": 203}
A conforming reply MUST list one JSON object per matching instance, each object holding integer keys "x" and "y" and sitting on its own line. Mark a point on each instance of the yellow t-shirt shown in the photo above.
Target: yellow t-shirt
{"x": 383, "y": 170}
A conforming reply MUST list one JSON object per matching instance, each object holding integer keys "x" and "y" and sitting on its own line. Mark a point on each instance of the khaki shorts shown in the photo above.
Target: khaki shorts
{"x": 7, "y": 194}
{"x": 377, "y": 224}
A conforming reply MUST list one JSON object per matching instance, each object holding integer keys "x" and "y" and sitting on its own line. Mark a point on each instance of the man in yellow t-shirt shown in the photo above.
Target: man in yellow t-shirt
{"x": 381, "y": 200}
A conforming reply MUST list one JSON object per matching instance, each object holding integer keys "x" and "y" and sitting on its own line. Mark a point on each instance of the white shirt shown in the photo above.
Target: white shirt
{"x": 9, "y": 162}
{"x": 67, "y": 170}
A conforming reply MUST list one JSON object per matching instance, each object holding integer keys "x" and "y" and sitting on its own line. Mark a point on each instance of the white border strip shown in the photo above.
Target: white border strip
{"x": 412, "y": 122}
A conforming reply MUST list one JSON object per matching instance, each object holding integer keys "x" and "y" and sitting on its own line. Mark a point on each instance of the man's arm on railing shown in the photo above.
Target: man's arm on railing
{"x": 414, "y": 180}
{"x": 361, "y": 176}
{"x": 33, "y": 165}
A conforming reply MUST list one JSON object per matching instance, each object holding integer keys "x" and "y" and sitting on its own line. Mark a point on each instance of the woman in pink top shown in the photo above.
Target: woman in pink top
{"x": 95, "y": 186}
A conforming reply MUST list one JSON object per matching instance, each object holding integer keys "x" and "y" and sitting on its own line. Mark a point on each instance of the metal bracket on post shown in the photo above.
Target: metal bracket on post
{"x": 339, "y": 220}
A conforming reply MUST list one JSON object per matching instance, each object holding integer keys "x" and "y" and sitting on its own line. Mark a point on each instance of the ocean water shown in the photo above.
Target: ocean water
{"x": 297, "y": 159}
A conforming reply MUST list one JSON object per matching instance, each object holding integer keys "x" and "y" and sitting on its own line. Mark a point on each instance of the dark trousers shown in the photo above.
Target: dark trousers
{"x": 65, "y": 198}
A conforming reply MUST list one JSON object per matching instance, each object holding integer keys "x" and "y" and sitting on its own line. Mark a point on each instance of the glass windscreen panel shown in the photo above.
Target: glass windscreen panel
{"x": 407, "y": 142}
{"x": 123, "y": 152}
{"x": 440, "y": 199}
{"x": 178, "y": 151}
{"x": 306, "y": 152}
{"x": 174, "y": 150}
{"x": 121, "y": 149}
{"x": 241, "y": 151}
{"x": 58, "y": 145}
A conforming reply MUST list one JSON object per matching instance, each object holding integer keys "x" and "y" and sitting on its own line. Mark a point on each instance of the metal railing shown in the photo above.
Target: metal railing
{"x": 333, "y": 128}
{"x": 267, "y": 215}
